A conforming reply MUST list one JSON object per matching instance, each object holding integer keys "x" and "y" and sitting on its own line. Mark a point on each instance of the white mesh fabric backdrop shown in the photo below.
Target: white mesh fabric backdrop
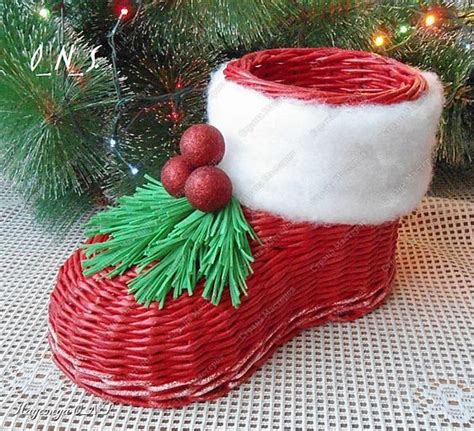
{"x": 408, "y": 365}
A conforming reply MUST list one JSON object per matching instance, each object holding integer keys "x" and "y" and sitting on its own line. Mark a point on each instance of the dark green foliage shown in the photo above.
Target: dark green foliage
{"x": 222, "y": 24}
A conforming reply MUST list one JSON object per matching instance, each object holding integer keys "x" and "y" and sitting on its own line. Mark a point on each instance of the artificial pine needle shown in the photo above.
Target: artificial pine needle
{"x": 172, "y": 246}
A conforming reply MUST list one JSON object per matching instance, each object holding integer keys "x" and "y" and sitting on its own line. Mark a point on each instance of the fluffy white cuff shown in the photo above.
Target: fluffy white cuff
{"x": 313, "y": 162}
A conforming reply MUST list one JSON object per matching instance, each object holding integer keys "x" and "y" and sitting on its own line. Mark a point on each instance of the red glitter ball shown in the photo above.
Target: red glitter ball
{"x": 202, "y": 145}
{"x": 174, "y": 174}
{"x": 208, "y": 189}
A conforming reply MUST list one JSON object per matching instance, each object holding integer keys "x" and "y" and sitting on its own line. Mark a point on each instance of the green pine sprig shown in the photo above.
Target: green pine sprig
{"x": 172, "y": 246}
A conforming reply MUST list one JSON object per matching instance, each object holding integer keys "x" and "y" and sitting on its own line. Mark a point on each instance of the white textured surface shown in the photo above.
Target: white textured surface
{"x": 309, "y": 161}
{"x": 408, "y": 365}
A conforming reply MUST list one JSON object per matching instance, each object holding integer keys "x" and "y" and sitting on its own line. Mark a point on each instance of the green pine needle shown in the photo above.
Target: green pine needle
{"x": 51, "y": 141}
{"x": 172, "y": 245}
{"x": 227, "y": 246}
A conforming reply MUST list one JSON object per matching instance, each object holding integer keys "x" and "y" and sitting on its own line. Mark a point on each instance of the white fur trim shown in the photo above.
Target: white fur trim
{"x": 309, "y": 161}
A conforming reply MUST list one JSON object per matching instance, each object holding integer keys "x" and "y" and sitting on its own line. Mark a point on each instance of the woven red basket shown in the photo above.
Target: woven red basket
{"x": 330, "y": 75}
{"x": 305, "y": 274}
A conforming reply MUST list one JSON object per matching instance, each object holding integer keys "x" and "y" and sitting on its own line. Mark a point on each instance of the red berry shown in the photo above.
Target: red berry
{"x": 208, "y": 189}
{"x": 202, "y": 145}
{"x": 174, "y": 174}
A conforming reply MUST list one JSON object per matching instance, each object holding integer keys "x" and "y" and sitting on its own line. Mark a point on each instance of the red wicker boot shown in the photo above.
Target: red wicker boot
{"x": 325, "y": 149}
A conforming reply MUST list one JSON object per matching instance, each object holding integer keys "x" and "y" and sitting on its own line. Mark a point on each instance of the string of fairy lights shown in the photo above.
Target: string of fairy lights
{"x": 381, "y": 38}
{"x": 381, "y": 41}
{"x": 122, "y": 101}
